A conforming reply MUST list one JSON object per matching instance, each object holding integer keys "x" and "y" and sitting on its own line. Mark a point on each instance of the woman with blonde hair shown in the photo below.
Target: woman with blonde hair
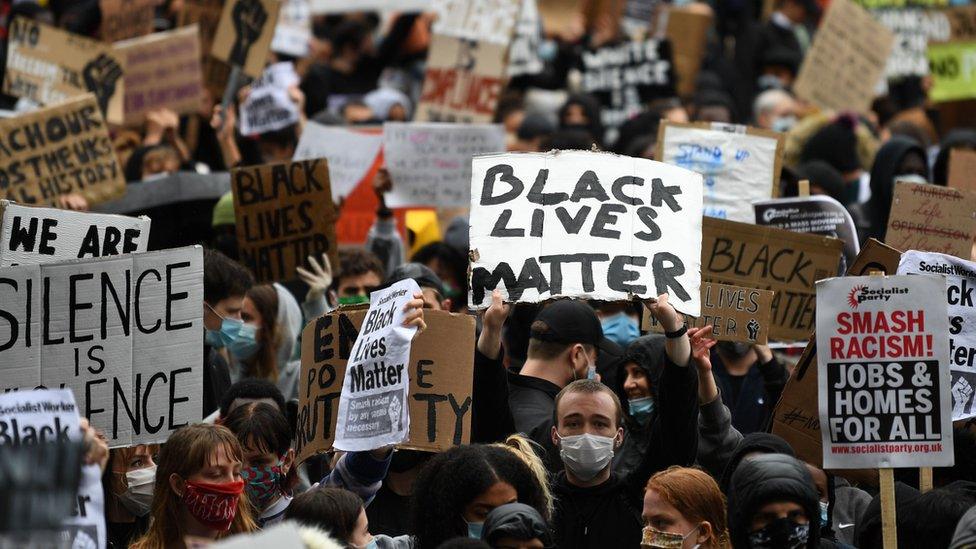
{"x": 199, "y": 492}
{"x": 528, "y": 452}
{"x": 684, "y": 508}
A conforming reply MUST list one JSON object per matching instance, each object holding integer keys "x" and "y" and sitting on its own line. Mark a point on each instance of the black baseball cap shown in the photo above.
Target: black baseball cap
{"x": 569, "y": 321}
{"x": 421, "y": 273}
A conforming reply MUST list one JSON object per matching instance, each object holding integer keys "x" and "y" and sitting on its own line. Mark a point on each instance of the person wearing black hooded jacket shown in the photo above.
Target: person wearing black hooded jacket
{"x": 773, "y": 505}
{"x": 900, "y": 159}
{"x": 637, "y": 379}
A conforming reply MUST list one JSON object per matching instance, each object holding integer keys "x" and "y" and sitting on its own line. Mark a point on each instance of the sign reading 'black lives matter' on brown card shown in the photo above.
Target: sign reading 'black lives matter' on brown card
{"x": 284, "y": 214}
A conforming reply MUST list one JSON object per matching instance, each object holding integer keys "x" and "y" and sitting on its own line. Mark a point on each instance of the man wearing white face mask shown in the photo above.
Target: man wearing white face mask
{"x": 596, "y": 508}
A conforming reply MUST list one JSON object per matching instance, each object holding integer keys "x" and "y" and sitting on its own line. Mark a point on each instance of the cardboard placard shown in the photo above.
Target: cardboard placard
{"x": 350, "y": 152}
{"x": 440, "y": 380}
{"x": 735, "y": 313}
{"x": 960, "y": 277}
{"x": 30, "y": 236}
{"x": 284, "y": 214}
{"x": 48, "y": 65}
{"x": 243, "y": 37}
{"x": 51, "y": 415}
{"x": 430, "y": 164}
{"x": 817, "y": 214}
{"x": 558, "y": 15}
{"x": 342, "y": 6}
{"x": 268, "y": 107}
{"x": 771, "y": 259}
{"x": 124, "y": 333}
{"x": 122, "y": 19}
{"x": 523, "y": 55}
{"x": 374, "y": 403}
{"x": 741, "y": 165}
{"x": 848, "y": 56}
{"x": 462, "y": 82}
{"x": 962, "y": 169}
{"x": 796, "y": 417}
{"x": 913, "y": 28}
{"x": 625, "y": 77}
{"x": 491, "y": 21}
{"x": 59, "y": 150}
{"x": 687, "y": 30}
{"x": 294, "y": 30}
{"x": 953, "y": 76}
{"x": 584, "y": 224}
{"x": 162, "y": 71}
{"x": 933, "y": 219}
{"x": 205, "y": 14}
{"x": 883, "y": 375}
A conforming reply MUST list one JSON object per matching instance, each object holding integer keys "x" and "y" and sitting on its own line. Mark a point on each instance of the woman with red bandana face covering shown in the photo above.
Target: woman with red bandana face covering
{"x": 199, "y": 491}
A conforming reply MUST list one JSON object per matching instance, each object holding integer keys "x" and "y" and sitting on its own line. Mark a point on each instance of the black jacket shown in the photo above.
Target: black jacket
{"x": 532, "y": 402}
{"x": 757, "y": 396}
{"x": 608, "y": 515}
{"x": 216, "y": 379}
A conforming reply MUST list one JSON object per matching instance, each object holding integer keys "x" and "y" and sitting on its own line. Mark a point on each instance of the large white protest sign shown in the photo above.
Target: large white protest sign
{"x": 293, "y": 33}
{"x": 523, "y": 54}
{"x": 45, "y": 235}
{"x": 32, "y": 417}
{"x": 883, "y": 372}
{"x": 373, "y": 407}
{"x": 125, "y": 333}
{"x": 584, "y": 224}
{"x": 350, "y": 153}
{"x": 960, "y": 278}
{"x": 268, "y": 107}
{"x": 741, "y": 165}
{"x": 430, "y": 163}
{"x": 477, "y": 20}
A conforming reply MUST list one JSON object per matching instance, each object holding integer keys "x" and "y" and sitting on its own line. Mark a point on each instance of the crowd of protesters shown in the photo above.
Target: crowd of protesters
{"x": 586, "y": 432}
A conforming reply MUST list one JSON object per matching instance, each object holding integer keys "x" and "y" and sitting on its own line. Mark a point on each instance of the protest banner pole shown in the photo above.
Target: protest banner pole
{"x": 803, "y": 188}
{"x": 924, "y": 479}
{"x": 233, "y": 83}
{"x": 889, "y": 522}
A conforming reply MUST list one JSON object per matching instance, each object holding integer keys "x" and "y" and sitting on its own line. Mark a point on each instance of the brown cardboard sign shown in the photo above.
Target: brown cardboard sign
{"x": 206, "y": 15}
{"x": 162, "y": 71}
{"x": 687, "y": 31}
{"x": 932, "y": 219}
{"x": 243, "y": 37}
{"x": 962, "y": 169}
{"x": 735, "y": 313}
{"x": 846, "y": 60}
{"x": 122, "y": 19}
{"x": 463, "y": 80}
{"x": 771, "y": 259}
{"x": 48, "y": 66}
{"x": 441, "y": 378}
{"x": 284, "y": 214}
{"x": 59, "y": 150}
{"x": 796, "y": 416}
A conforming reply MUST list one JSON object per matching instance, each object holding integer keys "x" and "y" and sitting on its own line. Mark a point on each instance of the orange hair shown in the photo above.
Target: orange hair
{"x": 187, "y": 451}
{"x": 697, "y": 497}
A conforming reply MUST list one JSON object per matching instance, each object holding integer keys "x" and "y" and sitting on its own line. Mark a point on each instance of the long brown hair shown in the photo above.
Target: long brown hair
{"x": 697, "y": 497}
{"x": 264, "y": 363}
{"x": 188, "y": 450}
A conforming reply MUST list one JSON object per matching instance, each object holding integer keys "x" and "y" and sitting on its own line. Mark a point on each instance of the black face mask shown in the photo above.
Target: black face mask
{"x": 404, "y": 460}
{"x": 733, "y": 349}
{"x": 782, "y": 533}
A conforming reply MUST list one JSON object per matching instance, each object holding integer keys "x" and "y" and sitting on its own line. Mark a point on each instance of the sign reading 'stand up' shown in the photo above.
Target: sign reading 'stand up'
{"x": 439, "y": 395}
{"x": 124, "y": 333}
{"x": 284, "y": 214}
{"x": 882, "y": 352}
{"x": 584, "y": 224}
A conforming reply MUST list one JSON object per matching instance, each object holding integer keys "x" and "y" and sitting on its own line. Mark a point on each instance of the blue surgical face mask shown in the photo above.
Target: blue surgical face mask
{"x": 824, "y": 506}
{"x": 548, "y": 50}
{"x": 245, "y": 343}
{"x": 620, "y": 329}
{"x": 784, "y": 123}
{"x": 229, "y": 328}
{"x": 474, "y": 529}
{"x": 641, "y": 408}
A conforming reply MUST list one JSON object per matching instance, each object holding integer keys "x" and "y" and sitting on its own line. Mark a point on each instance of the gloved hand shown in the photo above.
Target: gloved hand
{"x": 318, "y": 279}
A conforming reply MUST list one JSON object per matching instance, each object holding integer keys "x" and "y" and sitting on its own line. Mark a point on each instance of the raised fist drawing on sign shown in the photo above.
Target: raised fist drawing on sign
{"x": 249, "y": 17}
{"x": 101, "y": 74}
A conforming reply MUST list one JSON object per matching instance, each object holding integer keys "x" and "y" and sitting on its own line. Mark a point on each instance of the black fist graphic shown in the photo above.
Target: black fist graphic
{"x": 753, "y": 327}
{"x": 101, "y": 74}
{"x": 249, "y": 17}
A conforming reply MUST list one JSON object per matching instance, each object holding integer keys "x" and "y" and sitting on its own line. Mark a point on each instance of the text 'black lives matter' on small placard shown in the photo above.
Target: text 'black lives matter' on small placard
{"x": 284, "y": 214}
{"x": 46, "y": 235}
{"x": 883, "y": 372}
{"x": 124, "y": 333}
{"x": 584, "y": 224}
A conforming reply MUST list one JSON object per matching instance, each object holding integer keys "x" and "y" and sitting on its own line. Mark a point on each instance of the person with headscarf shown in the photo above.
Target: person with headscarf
{"x": 388, "y": 104}
{"x": 836, "y": 143}
{"x": 638, "y": 380}
{"x": 516, "y": 525}
{"x": 582, "y": 112}
{"x": 900, "y": 159}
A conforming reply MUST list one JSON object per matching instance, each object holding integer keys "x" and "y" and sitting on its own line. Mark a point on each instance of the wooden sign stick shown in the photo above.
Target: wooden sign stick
{"x": 889, "y": 522}
{"x": 924, "y": 479}
{"x": 803, "y": 188}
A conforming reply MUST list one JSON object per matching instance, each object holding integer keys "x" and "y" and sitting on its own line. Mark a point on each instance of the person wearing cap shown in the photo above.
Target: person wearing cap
{"x": 595, "y": 506}
{"x": 430, "y": 284}
{"x": 516, "y": 526}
